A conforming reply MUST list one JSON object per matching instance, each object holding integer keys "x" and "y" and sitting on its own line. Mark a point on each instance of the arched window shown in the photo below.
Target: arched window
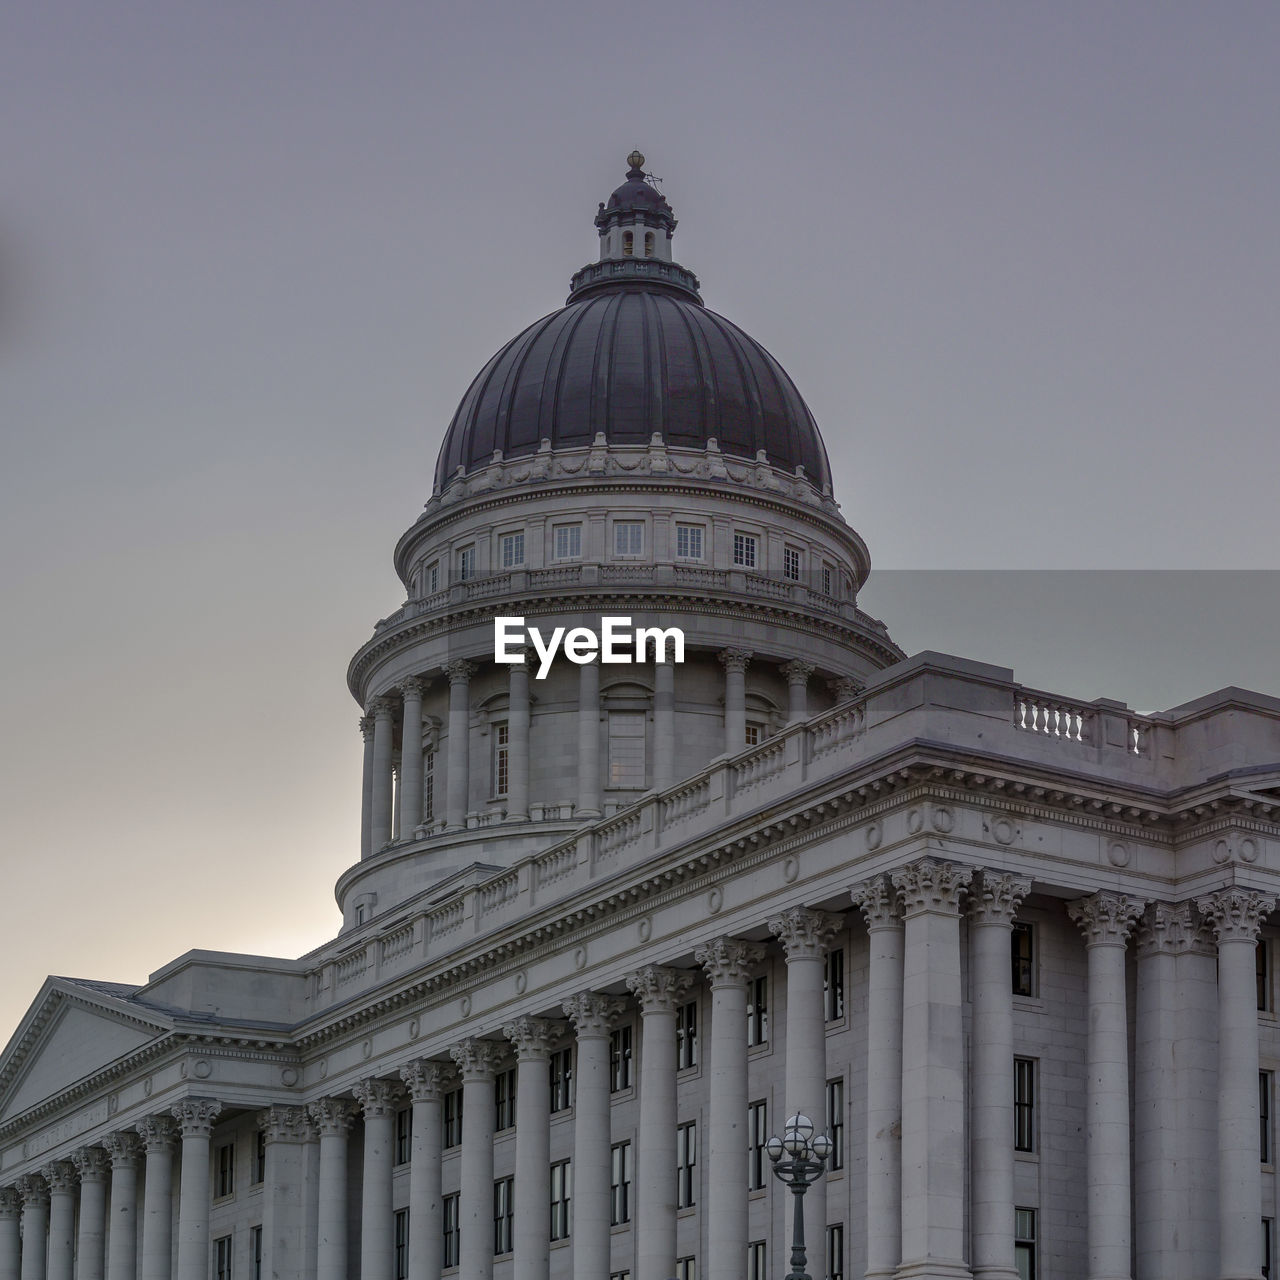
{"x": 648, "y": 244}
{"x": 627, "y": 240}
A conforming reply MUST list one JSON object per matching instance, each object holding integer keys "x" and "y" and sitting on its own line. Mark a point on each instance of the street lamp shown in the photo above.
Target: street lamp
{"x": 799, "y": 1160}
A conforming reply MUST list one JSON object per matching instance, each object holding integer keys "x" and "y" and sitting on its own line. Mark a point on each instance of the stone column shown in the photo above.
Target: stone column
{"x": 61, "y": 1177}
{"x": 879, "y": 908}
{"x": 1105, "y": 919}
{"x": 366, "y": 788}
{"x": 477, "y": 1061}
{"x": 196, "y": 1118}
{"x": 933, "y": 1075}
{"x": 35, "y": 1225}
{"x": 288, "y": 1130}
{"x": 735, "y": 699}
{"x": 992, "y": 907}
{"x": 158, "y": 1134}
{"x": 1237, "y": 915}
{"x": 532, "y": 1038}
{"x": 91, "y": 1167}
{"x": 593, "y": 1017}
{"x": 588, "y": 741}
{"x": 411, "y": 757}
{"x": 378, "y": 1101}
{"x": 380, "y": 822}
{"x": 125, "y": 1151}
{"x": 658, "y": 991}
{"x": 518, "y": 744}
{"x": 797, "y": 674}
{"x": 664, "y": 725}
{"x": 332, "y": 1118}
{"x": 424, "y": 1081}
{"x": 728, "y": 963}
{"x": 10, "y": 1234}
{"x": 458, "y": 778}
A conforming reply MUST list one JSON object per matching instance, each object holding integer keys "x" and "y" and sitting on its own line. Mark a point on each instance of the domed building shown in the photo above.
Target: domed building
{"x": 663, "y": 841}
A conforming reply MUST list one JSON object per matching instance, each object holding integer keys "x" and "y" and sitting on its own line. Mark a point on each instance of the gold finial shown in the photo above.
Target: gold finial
{"x": 636, "y": 160}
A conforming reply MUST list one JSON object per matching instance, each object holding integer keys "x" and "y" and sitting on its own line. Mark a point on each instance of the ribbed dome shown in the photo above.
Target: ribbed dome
{"x": 627, "y": 359}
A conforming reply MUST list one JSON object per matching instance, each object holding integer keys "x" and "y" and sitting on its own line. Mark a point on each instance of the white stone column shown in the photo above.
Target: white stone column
{"x": 287, "y": 1130}
{"x": 1237, "y": 915}
{"x": 728, "y": 963}
{"x": 518, "y": 744}
{"x": 196, "y": 1118}
{"x": 158, "y": 1134}
{"x": 933, "y": 1071}
{"x": 879, "y": 908}
{"x": 593, "y": 1017}
{"x": 125, "y": 1151}
{"x": 664, "y": 725}
{"x": 61, "y": 1177}
{"x": 411, "y": 757}
{"x": 477, "y": 1061}
{"x": 366, "y": 788}
{"x": 797, "y": 674}
{"x": 735, "y": 700}
{"x": 91, "y": 1166}
{"x": 1106, "y": 919}
{"x": 332, "y": 1118}
{"x": 658, "y": 991}
{"x": 35, "y": 1225}
{"x": 424, "y": 1081}
{"x": 10, "y": 1234}
{"x": 992, "y": 907}
{"x": 380, "y": 822}
{"x": 379, "y": 1100}
{"x": 532, "y": 1038}
{"x": 588, "y": 741}
{"x": 458, "y": 769}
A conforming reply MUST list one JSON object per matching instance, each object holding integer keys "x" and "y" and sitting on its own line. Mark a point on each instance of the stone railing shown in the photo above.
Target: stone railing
{"x": 1043, "y": 713}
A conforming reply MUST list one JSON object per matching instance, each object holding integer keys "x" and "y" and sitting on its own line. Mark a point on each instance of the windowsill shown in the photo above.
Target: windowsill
{"x": 622, "y": 1095}
{"x": 689, "y": 1073}
{"x": 757, "y": 1193}
{"x": 687, "y": 1212}
{"x": 562, "y": 1244}
{"x": 1028, "y": 1004}
{"x": 1027, "y": 1157}
{"x": 835, "y": 1175}
{"x": 618, "y": 1227}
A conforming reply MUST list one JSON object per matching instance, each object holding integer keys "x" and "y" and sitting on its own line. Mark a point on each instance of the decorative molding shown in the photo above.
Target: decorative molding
{"x": 735, "y": 659}
{"x": 425, "y": 1079}
{"x": 996, "y": 898}
{"x": 930, "y": 885}
{"x": 412, "y": 687}
{"x": 658, "y": 988}
{"x": 196, "y": 1116}
{"x": 10, "y": 1204}
{"x": 806, "y": 934}
{"x": 477, "y": 1060}
{"x": 61, "y": 1177}
{"x": 1236, "y": 914}
{"x": 798, "y": 672}
{"x": 729, "y": 962}
{"x": 878, "y": 902}
{"x": 378, "y": 1097}
{"x": 286, "y": 1124}
{"x": 381, "y": 709}
{"x": 332, "y": 1115}
{"x": 459, "y": 672}
{"x": 593, "y": 1015}
{"x": 91, "y": 1164}
{"x": 533, "y": 1037}
{"x": 366, "y": 728}
{"x": 33, "y": 1189}
{"x": 1105, "y": 918}
{"x": 124, "y": 1148}
{"x": 1173, "y": 928}
{"x": 158, "y": 1133}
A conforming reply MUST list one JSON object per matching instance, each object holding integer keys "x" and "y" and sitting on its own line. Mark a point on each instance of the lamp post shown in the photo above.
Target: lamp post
{"x": 806, "y": 1161}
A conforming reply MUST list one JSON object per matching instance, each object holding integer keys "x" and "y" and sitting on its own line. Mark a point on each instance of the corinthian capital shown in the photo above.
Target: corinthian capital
{"x": 157, "y": 1132}
{"x": 381, "y": 709}
{"x": 1104, "y": 918}
{"x": 729, "y": 962}
{"x": 332, "y": 1115}
{"x": 60, "y": 1175}
{"x": 805, "y": 934}
{"x": 424, "y": 1080}
{"x": 286, "y": 1124}
{"x": 196, "y": 1116}
{"x": 1236, "y": 913}
{"x": 878, "y": 903}
{"x": 33, "y": 1189}
{"x": 412, "y": 687}
{"x": 930, "y": 885}
{"x": 378, "y": 1097}
{"x": 90, "y": 1163}
{"x": 123, "y": 1148}
{"x": 476, "y": 1059}
{"x": 659, "y": 989}
{"x": 735, "y": 659}
{"x": 997, "y": 897}
{"x": 592, "y": 1014}
{"x": 532, "y": 1037}
{"x": 366, "y": 728}
{"x": 10, "y": 1204}
{"x": 798, "y": 672}
{"x": 459, "y": 672}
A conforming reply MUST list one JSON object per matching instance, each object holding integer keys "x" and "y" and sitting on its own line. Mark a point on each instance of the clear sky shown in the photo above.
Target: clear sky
{"x": 1020, "y": 258}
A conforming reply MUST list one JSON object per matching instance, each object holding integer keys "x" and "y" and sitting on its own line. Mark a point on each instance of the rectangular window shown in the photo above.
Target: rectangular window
{"x": 835, "y": 1123}
{"x": 687, "y": 1035}
{"x": 512, "y": 548}
{"x": 757, "y": 1136}
{"x": 826, "y": 579}
{"x": 626, "y": 749}
{"x": 1266, "y": 1081}
{"x": 404, "y": 1135}
{"x": 757, "y": 1011}
{"x": 255, "y": 1251}
{"x": 620, "y": 1059}
{"x": 688, "y": 542}
{"x": 466, "y": 564}
{"x": 686, "y": 1269}
{"x": 501, "y": 759}
{"x": 833, "y": 984}
{"x": 433, "y": 577}
{"x": 756, "y": 1261}
{"x": 835, "y": 1252}
{"x": 1024, "y": 1104}
{"x": 561, "y": 1075}
{"x": 449, "y": 1208}
{"x": 620, "y": 1183}
{"x": 1268, "y": 1232}
{"x": 567, "y": 542}
{"x": 451, "y": 1113}
{"x": 222, "y": 1258}
{"x": 402, "y": 1244}
{"x": 1022, "y": 943}
{"x": 791, "y": 563}
{"x": 504, "y": 1217}
{"x": 258, "y": 1174}
{"x": 744, "y": 550}
{"x": 1262, "y": 958}
{"x": 754, "y": 733}
{"x": 1024, "y": 1243}
{"x": 504, "y": 1100}
{"x": 561, "y": 1200}
{"x": 628, "y": 538}
{"x": 429, "y": 786}
{"x": 619, "y": 1275}
{"x": 226, "y": 1183}
{"x": 686, "y": 1164}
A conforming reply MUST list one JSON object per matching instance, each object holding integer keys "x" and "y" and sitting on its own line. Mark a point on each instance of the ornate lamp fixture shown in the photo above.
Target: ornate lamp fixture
{"x": 804, "y": 1163}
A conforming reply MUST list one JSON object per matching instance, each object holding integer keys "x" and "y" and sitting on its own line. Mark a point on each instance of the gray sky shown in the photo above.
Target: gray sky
{"x": 1019, "y": 257}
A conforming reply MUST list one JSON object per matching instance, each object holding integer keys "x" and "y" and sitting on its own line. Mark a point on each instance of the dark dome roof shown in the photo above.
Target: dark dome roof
{"x": 628, "y": 358}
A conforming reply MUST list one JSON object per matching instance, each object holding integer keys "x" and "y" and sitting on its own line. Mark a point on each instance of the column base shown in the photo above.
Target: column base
{"x": 994, "y": 1273}
{"x": 934, "y": 1269}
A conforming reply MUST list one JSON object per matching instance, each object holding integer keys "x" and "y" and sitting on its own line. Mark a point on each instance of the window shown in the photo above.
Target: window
{"x": 452, "y": 1117}
{"x": 561, "y": 1200}
{"x": 466, "y": 564}
{"x": 757, "y": 1011}
{"x": 687, "y": 1035}
{"x": 402, "y": 1244}
{"x": 226, "y": 1183}
{"x": 511, "y": 546}
{"x": 404, "y": 1135}
{"x": 362, "y": 912}
{"x": 757, "y": 1136}
{"x": 1022, "y": 942}
{"x": 648, "y": 244}
{"x": 826, "y": 579}
{"x": 628, "y": 247}
{"x": 1265, "y": 1146}
{"x": 255, "y": 1251}
{"x": 686, "y": 1269}
{"x": 1267, "y": 1232}
{"x": 754, "y": 735}
{"x": 1024, "y": 1243}
{"x": 567, "y": 542}
{"x": 449, "y": 1206}
{"x": 686, "y": 1164}
{"x": 1024, "y": 1104}
{"x": 504, "y": 1100}
{"x": 688, "y": 542}
{"x": 835, "y": 1252}
{"x": 833, "y": 984}
{"x": 258, "y": 1173}
{"x": 429, "y": 786}
{"x": 561, "y": 1079}
{"x": 504, "y": 1191}
{"x": 756, "y": 1262}
{"x": 620, "y": 1183}
{"x": 835, "y": 1123}
{"x": 791, "y": 563}
{"x": 619, "y": 1275}
{"x": 432, "y": 577}
{"x": 620, "y": 1059}
{"x": 222, "y": 1258}
{"x": 1263, "y": 961}
{"x": 626, "y": 749}
{"x": 744, "y": 550}
{"x": 628, "y": 538}
{"x": 501, "y": 758}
